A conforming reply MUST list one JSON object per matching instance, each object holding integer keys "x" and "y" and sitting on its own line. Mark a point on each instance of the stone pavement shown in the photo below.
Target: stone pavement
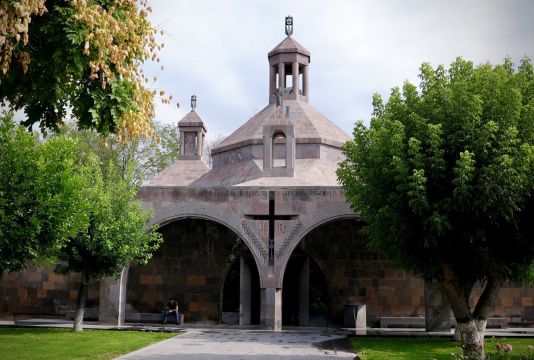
{"x": 225, "y": 342}
{"x": 230, "y": 344}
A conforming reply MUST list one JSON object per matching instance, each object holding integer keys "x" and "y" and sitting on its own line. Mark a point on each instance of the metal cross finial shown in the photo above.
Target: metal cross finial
{"x": 289, "y": 25}
{"x": 193, "y": 102}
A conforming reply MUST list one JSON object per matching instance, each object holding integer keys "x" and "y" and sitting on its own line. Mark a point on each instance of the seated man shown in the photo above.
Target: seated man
{"x": 172, "y": 307}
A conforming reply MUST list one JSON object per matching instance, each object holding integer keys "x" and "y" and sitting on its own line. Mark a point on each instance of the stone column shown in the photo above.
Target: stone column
{"x": 272, "y": 82}
{"x": 199, "y": 143}
{"x": 245, "y": 293}
{"x": 182, "y": 143}
{"x": 271, "y": 308}
{"x": 112, "y": 303}
{"x": 290, "y": 151}
{"x": 305, "y": 83}
{"x": 437, "y": 309}
{"x": 304, "y": 293}
{"x": 267, "y": 150}
{"x": 202, "y": 148}
{"x": 282, "y": 77}
{"x": 295, "y": 73}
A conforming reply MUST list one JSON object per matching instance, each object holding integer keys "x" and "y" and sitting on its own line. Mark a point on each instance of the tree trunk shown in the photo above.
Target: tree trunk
{"x": 466, "y": 332}
{"x": 80, "y": 304}
{"x": 472, "y": 339}
{"x": 470, "y": 327}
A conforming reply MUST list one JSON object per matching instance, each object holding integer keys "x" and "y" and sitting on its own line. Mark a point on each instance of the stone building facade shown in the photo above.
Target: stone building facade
{"x": 263, "y": 237}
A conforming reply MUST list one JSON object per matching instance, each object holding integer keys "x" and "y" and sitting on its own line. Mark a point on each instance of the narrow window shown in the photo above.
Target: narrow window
{"x": 279, "y": 150}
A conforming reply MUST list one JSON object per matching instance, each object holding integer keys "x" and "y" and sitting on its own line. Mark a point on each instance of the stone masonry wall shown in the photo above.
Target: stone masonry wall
{"x": 355, "y": 274}
{"x": 38, "y": 292}
{"x": 193, "y": 261}
{"x": 190, "y": 265}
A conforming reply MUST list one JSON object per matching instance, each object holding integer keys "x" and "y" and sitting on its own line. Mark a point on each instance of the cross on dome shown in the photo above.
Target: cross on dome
{"x": 193, "y": 102}
{"x": 289, "y": 25}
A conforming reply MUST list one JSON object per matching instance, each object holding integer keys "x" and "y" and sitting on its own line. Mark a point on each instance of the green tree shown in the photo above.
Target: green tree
{"x": 443, "y": 179}
{"x": 39, "y": 195}
{"x": 116, "y": 234}
{"x": 83, "y": 56}
{"x": 136, "y": 160}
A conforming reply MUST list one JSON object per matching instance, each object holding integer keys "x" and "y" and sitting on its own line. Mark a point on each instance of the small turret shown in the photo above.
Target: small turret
{"x": 288, "y": 58}
{"x": 192, "y": 134}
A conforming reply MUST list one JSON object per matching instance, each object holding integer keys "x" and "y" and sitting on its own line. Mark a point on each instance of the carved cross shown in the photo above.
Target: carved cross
{"x": 271, "y": 217}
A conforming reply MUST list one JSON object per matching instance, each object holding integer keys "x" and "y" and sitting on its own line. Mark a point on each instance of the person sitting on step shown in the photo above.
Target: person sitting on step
{"x": 171, "y": 308}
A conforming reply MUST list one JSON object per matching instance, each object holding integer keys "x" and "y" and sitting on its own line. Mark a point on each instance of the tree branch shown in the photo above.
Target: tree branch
{"x": 487, "y": 300}
{"x": 455, "y": 294}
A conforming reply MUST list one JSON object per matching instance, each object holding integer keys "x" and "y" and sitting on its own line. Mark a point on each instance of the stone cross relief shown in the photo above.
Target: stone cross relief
{"x": 268, "y": 225}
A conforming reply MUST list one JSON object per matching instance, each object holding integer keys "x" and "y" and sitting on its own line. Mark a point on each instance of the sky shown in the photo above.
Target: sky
{"x": 217, "y": 50}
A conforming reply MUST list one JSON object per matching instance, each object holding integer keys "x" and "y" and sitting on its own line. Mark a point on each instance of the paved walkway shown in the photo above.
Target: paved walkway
{"x": 225, "y": 344}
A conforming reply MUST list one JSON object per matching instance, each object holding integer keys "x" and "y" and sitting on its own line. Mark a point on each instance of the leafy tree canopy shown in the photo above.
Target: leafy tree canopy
{"x": 39, "y": 195}
{"x": 443, "y": 177}
{"x": 116, "y": 234}
{"x": 57, "y": 203}
{"x": 136, "y": 160}
{"x": 79, "y": 55}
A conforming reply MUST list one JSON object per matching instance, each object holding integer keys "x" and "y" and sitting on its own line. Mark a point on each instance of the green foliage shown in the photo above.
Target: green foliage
{"x": 443, "y": 175}
{"x": 39, "y": 195}
{"x": 84, "y": 57}
{"x": 137, "y": 159}
{"x": 116, "y": 234}
{"x": 57, "y": 202}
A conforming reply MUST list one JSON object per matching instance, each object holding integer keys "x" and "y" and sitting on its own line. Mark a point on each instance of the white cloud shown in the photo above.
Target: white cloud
{"x": 218, "y": 49}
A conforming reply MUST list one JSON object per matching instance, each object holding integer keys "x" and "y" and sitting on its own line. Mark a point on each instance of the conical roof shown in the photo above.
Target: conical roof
{"x": 310, "y": 127}
{"x": 189, "y": 167}
{"x": 192, "y": 119}
{"x": 289, "y": 45}
{"x": 239, "y": 161}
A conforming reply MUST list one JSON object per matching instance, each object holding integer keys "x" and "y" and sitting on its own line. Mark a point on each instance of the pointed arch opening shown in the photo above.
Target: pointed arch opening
{"x": 196, "y": 265}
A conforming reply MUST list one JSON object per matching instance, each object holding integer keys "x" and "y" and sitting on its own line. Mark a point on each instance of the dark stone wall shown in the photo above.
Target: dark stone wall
{"x": 196, "y": 256}
{"x": 355, "y": 274}
{"x": 39, "y": 291}
{"x": 190, "y": 266}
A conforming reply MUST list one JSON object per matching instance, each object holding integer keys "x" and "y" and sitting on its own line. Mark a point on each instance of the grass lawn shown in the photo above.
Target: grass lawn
{"x": 370, "y": 348}
{"x": 16, "y": 343}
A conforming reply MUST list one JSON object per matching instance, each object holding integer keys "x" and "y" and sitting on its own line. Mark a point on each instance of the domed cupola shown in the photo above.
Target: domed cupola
{"x": 288, "y": 69}
{"x": 289, "y": 142}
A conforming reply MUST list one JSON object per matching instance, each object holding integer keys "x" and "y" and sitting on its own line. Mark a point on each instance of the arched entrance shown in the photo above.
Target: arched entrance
{"x": 341, "y": 271}
{"x": 195, "y": 265}
{"x": 241, "y": 291}
{"x": 305, "y": 298}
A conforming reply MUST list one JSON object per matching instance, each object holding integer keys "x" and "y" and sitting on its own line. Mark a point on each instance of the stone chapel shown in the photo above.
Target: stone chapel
{"x": 264, "y": 237}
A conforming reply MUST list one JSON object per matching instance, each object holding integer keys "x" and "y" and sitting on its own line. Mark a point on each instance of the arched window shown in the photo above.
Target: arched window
{"x": 279, "y": 150}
